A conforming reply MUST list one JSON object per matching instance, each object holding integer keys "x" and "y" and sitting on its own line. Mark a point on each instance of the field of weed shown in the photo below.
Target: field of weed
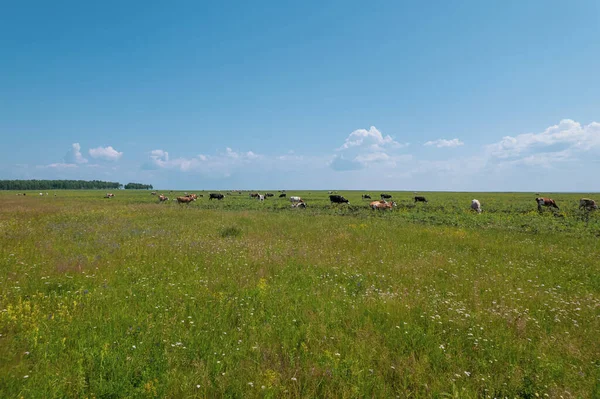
{"x": 128, "y": 297}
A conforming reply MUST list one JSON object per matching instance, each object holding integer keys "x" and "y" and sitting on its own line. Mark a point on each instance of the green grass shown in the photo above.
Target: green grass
{"x": 126, "y": 297}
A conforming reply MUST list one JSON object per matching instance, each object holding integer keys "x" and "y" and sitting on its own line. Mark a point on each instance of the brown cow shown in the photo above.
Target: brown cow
{"x": 588, "y": 204}
{"x": 382, "y": 205}
{"x": 162, "y": 198}
{"x": 109, "y": 195}
{"x": 548, "y": 202}
{"x": 192, "y": 196}
{"x": 184, "y": 200}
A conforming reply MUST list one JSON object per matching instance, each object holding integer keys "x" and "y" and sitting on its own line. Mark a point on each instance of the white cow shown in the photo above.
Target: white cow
{"x": 300, "y": 204}
{"x": 295, "y": 199}
{"x": 261, "y": 197}
{"x": 476, "y": 206}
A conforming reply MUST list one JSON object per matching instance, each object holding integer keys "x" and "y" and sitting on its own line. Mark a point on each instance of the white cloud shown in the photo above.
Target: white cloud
{"x": 222, "y": 164}
{"x": 60, "y": 166}
{"x": 568, "y": 134}
{"x": 367, "y": 148}
{"x": 371, "y": 139}
{"x": 441, "y": 143}
{"x": 74, "y": 156}
{"x": 106, "y": 153}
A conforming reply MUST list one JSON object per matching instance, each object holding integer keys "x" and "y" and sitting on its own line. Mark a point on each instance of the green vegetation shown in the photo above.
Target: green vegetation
{"x": 57, "y": 185}
{"x": 138, "y": 186}
{"x": 128, "y": 297}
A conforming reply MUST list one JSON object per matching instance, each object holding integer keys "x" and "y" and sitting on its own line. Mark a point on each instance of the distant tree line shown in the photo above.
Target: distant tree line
{"x": 68, "y": 185}
{"x": 57, "y": 185}
{"x": 138, "y": 186}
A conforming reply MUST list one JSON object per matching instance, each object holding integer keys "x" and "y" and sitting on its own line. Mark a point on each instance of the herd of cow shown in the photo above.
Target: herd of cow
{"x": 297, "y": 202}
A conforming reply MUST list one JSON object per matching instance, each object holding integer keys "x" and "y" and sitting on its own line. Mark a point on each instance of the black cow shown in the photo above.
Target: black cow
{"x": 268, "y": 194}
{"x": 420, "y": 199}
{"x": 366, "y": 196}
{"x": 217, "y": 196}
{"x": 338, "y": 199}
{"x": 386, "y": 196}
{"x": 282, "y": 195}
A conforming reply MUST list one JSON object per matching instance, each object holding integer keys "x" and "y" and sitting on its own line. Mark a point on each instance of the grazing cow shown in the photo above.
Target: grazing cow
{"x": 109, "y": 195}
{"x": 382, "y": 205}
{"x": 217, "y": 196}
{"x": 254, "y": 195}
{"x": 385, "y": 196}
{"x": 338, "y": 199}
{"x": 476, "y": 206}
{"x": 268, "y": 194}
{"x": 261, "y": 197}
{"x": 194, "y": 197}
{"x": 548, "y": 202}
{"x": 184, "y": 200}
{"x": 587, "y": 204}
{"x": 153, "y": 193}
{"x": 300, "y": 204}
{"x": 419, "y": 198}
{"x": 162, "y": 198}
{"x": 295, "y": 199}
{"x": 282, "y": 195}
{"x": 366, "y": 196}
{"x": 201, "y": 196}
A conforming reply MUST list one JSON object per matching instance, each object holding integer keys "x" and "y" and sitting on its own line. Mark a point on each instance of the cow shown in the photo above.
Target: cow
{"x": 300, "y": 204}
{"x": 194, "y": 197}
{"x": 217, "y": 196}
{"x": 261, "y": 197}
{"x": 338, "y": 199}
{"x": 162, "y": 198}
{"x": 295, "y": 199}
{"x": 382, "y": 205}
{"x": 385, "y": 196}
{"x": 548, "y": 202}
{"x": 420, "y": 198}
{"x": 476, "y": 205}
{"x": 282, "y": 195}
{"x": 268, "y": 194}
{"x": 587, "y": 204}
{"x": 254, "y": 195}
{"x": 184, "y": 200}
{"x": 153, "y": 193}
{"x": 109, "y": 195}
{"x": 366, "y": 196}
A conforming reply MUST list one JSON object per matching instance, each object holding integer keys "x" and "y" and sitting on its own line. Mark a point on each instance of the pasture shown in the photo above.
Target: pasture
{"x": 128, "y": 297}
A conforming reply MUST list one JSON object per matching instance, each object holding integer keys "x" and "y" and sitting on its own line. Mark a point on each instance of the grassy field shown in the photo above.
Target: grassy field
{"x": 126, "y": 297}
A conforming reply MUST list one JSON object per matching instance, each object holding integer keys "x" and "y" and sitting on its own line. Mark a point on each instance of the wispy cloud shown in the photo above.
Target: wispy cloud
{"x": 441, "y": 143}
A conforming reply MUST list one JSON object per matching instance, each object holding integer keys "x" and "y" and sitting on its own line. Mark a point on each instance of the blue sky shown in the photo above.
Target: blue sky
{"x": 470, "y": 95}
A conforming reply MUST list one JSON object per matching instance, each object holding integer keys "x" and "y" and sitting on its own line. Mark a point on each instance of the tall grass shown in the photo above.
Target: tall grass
{"x": 126, "y": 297}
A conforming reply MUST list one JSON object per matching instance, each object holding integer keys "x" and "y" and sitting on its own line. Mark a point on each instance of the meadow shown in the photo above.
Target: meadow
{"x": 128, "y": 297}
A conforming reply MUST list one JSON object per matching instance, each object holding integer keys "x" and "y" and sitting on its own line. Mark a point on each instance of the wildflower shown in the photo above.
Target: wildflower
{"x": 133, "y": 346}
{"x": 467, "y": 374}
{"x": 198, "y": 386}
{"x": 294, "y": 379}
{"x": 251, "y": 384}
